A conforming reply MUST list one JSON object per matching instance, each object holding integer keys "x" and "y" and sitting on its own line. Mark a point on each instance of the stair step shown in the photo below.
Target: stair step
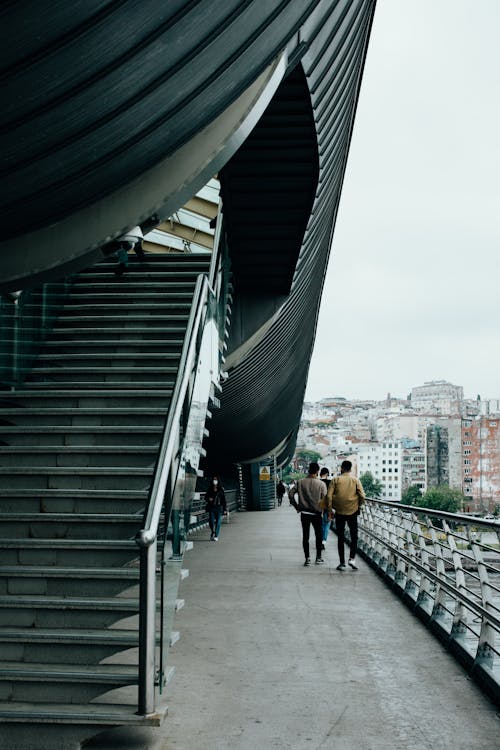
{"x": 83, "y": 411}
{"x": 71, "y": 544}
{"x": 22, "y": 557}
{"x": 138, "y": 274}
{"x": 140, "y": 471}
{"x": 68, "y": 500}
{"x": 49, "y": 571}
{"x": 63, "y": 357}
{"x": 117, "y": 343}
{"x": 76, "y": 493}
{"x": 79, "y": 429}
{"x": 114, "y": 301}
{"x": 119, "y": 674}
{"x": 113, "y": 308}
{"x": 32, "y": 391}
{"x": 95, "y": 713}
{"x": 59, "y": 436}
{"x": 96, "y": 518}
{"x": 100, "y": 449}
{"x": 73, "y": 527}
{"x": 112, "y": 370}
{"x": 103, "y": 636}
{"x": 153, "y": 268}
{"x": 123, "y": 330}
{"x": 115, "y": 604}
{"x": 106, "y": 385}
{"x": 127, "y": 321}
{"x": 102, "y": 395}
{"x": 80, "y": 455}
{"x": 144, "y": 276}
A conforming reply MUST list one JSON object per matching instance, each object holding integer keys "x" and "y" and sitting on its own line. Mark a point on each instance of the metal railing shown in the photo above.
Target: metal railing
{"x": 446, "y": 567}
{"x": 165, "y": 489}
{"x": 26, "y": 319}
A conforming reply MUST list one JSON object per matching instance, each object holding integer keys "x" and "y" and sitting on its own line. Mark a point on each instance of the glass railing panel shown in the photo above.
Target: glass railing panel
{"x": 7, "y": 340}
{"x": 26, "y": 319}
{"x": 206, "y": 365}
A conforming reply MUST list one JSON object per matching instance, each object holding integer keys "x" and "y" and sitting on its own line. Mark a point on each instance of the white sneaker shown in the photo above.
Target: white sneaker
{"x": 216, "y": 538}
{"x": 353, "y": 565}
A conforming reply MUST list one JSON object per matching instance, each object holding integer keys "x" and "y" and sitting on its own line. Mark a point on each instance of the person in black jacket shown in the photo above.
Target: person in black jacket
{"x": 215, "y": 506}
{"x": 280, "y": 491}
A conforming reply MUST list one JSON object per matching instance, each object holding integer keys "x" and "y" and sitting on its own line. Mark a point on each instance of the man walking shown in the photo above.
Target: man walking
{"x": 310, "y": 492}
{"x": 345, "y": 496}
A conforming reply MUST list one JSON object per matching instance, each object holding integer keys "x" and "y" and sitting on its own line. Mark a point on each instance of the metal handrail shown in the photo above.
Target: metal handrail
{"x": 423, "y": 562}
{"x": 462, "y": 517}
{"x": 149, "y": 532}
{"x": 146, "y": 538}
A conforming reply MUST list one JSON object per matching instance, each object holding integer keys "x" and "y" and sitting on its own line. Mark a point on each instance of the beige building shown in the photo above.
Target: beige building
{"x": 438, "y": 396}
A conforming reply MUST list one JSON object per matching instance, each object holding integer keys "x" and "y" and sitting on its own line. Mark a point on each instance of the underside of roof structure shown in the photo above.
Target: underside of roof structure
{"x": 115, "y": 112}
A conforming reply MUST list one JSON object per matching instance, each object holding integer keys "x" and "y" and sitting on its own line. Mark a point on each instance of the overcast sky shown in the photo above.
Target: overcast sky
{"x": 412, "y": 291}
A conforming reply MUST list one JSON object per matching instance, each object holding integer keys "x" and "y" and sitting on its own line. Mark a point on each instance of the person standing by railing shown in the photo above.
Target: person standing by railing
{"x": 345, "y": 496}
{"x": 215, "y": 506}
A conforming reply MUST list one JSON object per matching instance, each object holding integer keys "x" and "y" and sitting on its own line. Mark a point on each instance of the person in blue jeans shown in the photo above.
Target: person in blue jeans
{"x": 323, "y": 475}
{"x": 215, "y": 506}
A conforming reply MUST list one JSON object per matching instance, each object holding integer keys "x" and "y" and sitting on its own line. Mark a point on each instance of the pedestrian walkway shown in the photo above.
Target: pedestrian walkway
{"x": 275, "y": 656}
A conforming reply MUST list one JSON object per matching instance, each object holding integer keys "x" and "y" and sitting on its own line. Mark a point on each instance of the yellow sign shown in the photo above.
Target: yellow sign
{"x": 265, "y": 473}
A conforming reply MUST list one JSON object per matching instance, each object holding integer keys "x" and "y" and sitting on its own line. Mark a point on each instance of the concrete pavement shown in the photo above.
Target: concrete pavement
{"x": 276, "y": 656}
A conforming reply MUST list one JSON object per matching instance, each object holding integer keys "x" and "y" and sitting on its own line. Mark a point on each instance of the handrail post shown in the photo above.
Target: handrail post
{"x": 147, "y": 629}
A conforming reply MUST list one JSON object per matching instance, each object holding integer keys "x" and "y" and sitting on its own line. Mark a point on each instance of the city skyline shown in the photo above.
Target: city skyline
{"x": 411, "y": 293}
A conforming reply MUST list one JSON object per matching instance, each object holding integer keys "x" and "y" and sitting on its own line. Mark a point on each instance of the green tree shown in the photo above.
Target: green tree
{"x": 412, "y": 495}
{"x": 443, "y": 498}
{"x": 371, "y": 486}
{"x": 289, "y": 474}
{"x": 305, "y": 457}
{"x": 308, "y": 456}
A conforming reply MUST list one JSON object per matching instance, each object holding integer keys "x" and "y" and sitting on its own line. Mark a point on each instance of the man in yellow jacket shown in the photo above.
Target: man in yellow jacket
{"x": 345, "y": 496}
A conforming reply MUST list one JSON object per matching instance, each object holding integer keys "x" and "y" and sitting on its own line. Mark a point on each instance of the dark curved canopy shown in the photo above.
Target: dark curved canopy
{"x": 263, "y": 396}
{"x": 116, "y": 109}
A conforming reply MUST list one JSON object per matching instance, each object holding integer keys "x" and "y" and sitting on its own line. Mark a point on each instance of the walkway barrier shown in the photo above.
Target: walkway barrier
{"x": 172, "y": 489}
{"x": 446, "y": 568}
{"x": 26, "y": 319}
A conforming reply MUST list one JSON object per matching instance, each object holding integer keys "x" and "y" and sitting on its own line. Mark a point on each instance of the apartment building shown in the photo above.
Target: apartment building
{"x": 438, "y": 396}
{"x": 481, "y": 462}
{"x": 443, "y": 452}
{"x": 384, "y": 462}
{"x": 413, "y": 471}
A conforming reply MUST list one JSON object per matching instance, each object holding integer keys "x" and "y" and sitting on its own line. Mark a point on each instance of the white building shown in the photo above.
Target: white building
{"x": 384, "y": 462}
{"x": 439, "y": 395}
{"x": 489, "y": 406}
{"x": 394, "y": 427}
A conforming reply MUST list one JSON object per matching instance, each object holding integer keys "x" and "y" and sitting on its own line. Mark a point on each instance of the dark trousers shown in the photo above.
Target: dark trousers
{"x": 316, "y": 522}
{"x": 352, "y": 522}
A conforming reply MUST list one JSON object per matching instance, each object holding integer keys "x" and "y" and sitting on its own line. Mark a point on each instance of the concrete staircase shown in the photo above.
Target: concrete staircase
{"x": 78, "y": 444}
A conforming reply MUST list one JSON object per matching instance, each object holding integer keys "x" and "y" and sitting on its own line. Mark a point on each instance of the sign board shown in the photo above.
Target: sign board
{"x": 264, "y": 473}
